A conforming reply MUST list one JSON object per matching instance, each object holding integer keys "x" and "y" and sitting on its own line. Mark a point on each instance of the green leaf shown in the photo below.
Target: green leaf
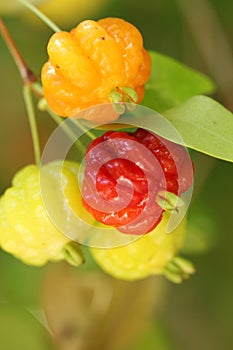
{"x": 172, "y": 83}
{"x": 205, "y": 126}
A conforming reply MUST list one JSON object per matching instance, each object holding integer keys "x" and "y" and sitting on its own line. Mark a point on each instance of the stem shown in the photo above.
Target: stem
{"x": 69, "y": 132}
{"x": 81, "y": 127}
{"x": 40, "y": 15}
{"x": 26, "y": 74}
{"x": 32, "y": 121}
{"x": 43, "y": 106}
{"x": 28, "y": 79}
{"x": 37, "y": 90}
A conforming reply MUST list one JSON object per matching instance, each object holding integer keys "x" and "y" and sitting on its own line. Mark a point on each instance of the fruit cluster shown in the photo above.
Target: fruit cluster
{"x": 86, "y": 65}
{"x": 126, "y": 172}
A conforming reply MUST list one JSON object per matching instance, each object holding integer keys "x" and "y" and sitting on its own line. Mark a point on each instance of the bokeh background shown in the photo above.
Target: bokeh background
{"x": 83, "y": 308}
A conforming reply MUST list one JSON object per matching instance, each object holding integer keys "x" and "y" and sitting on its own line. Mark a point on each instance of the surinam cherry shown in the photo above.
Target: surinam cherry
{"x": 26, "y": 230}
{"x": 97, "y": 62}
{"x": 152, "y": 254}
{"x": 140, "y": 167}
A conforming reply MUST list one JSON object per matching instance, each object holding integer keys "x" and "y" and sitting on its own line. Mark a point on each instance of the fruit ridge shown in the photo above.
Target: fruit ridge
{"x": 25, "y": 227}
{"x": 148, "y": 255}
{"x": 137, "y": 166}
{"x": 88, "y": 63}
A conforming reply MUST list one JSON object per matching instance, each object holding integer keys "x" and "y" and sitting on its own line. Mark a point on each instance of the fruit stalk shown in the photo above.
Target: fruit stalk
{"x": 27, "y": 75}
{"x": 32, "y": 121}
{"x": 40, "y": 15}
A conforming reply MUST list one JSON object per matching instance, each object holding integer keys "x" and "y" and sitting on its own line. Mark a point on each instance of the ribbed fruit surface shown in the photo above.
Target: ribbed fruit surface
{"x": 25, "y": 227}
{"x": 146, "y": 256}
{"x": 88, "y": 63}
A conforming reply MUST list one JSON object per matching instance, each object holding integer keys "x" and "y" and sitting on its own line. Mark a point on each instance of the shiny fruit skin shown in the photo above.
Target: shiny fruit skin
{"x": 26, "y": 230}
{"x": 146, "y": 256}
{"x": 88, "y": 63}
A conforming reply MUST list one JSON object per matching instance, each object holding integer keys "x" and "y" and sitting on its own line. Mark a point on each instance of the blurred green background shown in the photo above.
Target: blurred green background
{"x": 195, "y": 315}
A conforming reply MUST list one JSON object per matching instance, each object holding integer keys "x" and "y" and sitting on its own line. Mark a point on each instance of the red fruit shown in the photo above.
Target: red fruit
{"x": 124, "y": 174}
{"x": 174, "y": 159}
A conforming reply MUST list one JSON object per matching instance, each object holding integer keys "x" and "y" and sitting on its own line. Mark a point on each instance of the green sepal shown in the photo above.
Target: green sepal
{"x": 73, "y": 254}
{"x": 169, "y": 201}
{"x": 178, "y": 270}
{"x": 115, "y": 96}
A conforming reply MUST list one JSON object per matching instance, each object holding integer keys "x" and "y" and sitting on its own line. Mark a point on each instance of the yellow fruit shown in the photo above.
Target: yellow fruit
{"x": 25, "y": 227}
{"x": 149, "y": 255}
